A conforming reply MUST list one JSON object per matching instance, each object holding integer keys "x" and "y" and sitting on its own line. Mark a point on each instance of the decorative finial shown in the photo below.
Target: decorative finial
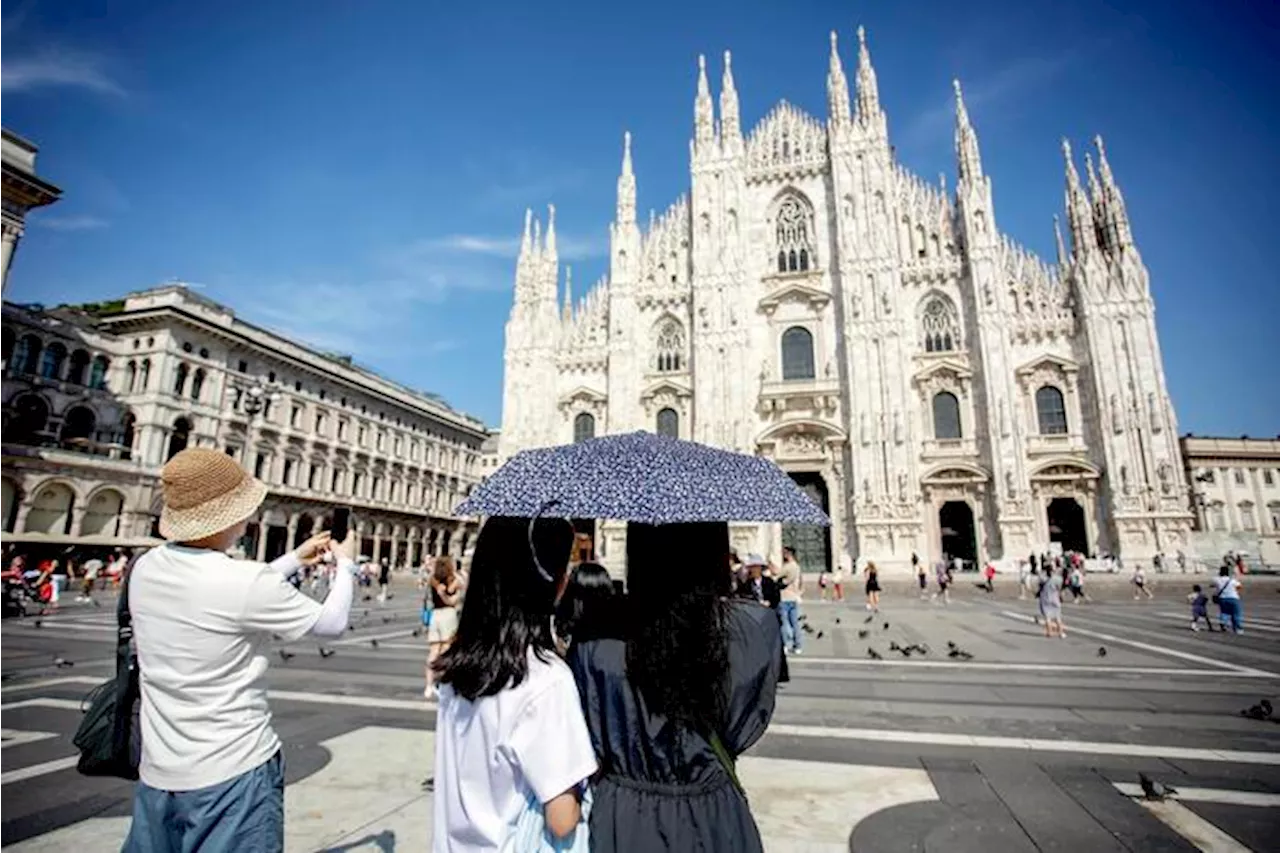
{"x": 702, "y": 63}
{"x": 862, "y": 35}
{"x": 955, "y": 84}
{"x": 835, "y": 39}
{"x": 1066, "y": 148}
{"x": 728, "y": 59}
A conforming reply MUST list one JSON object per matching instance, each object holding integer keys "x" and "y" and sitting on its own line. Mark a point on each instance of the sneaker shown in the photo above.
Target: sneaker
{"x": 1195, "y": 627}
{"x": 797, "y": 651}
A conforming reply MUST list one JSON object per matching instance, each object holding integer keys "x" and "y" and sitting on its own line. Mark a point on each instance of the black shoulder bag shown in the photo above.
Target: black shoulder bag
{"x": 109, "y": 737}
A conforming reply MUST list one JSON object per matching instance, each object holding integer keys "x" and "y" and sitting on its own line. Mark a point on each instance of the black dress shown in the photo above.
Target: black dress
{"x": 661, "y": 787}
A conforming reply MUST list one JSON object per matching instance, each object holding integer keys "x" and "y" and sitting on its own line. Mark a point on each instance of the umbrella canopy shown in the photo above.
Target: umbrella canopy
{"x": 642, "y": 477}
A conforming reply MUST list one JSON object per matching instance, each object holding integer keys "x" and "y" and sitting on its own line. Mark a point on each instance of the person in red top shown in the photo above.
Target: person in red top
{"x": 990, "y": 574}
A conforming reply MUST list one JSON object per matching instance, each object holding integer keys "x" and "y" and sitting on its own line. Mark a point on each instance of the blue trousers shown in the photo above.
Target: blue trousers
{"x": 789, "y": 611}
{"x": 1231, "y": 614}
{"x": 245, "y": 813}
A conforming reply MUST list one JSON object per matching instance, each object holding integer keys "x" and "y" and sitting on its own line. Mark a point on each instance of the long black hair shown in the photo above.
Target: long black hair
{"x": 587, "y": 609}
{"x": 678, "y": 584}
{"x": 508, "y": 607}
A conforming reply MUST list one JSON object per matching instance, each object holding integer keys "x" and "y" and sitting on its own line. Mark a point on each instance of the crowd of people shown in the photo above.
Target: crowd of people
{"x": 34, "y": 581}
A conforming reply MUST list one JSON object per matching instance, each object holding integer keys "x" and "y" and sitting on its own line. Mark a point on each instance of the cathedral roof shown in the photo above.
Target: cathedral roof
{"x": 787, "y": 139}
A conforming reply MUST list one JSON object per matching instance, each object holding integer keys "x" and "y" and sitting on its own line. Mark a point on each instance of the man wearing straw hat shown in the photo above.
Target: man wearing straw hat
{"x": 212, "y": 775}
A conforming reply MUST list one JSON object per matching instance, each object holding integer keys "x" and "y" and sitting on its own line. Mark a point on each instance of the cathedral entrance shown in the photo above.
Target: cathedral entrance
{"x": 1067, "y": 525}
{"x": 955, "y": 522}
{"x": 812, "y": 542}
{"x": 584, "y": 540}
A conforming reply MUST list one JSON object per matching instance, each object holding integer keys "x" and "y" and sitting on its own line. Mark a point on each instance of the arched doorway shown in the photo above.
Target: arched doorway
{"x": 955, "y": 523}
{"x": 303, "y": 531}
{"x": 178, "y": 437}
{"x": 1067, "y": 525}
{"x": 102, "y": 516}
{"x": 77, "y": 428}
{"x": 27, "y": 423}
{"x": 812, "y": 543}
{"x": 51, "y": 511}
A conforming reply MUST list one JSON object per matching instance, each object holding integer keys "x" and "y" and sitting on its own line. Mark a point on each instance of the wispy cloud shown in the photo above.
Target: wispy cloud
{"x": 1001, "y": 86}
{"x": 73, "y": 222}
{"x": 568, "y": 247}
{"x": 57, "y": 66}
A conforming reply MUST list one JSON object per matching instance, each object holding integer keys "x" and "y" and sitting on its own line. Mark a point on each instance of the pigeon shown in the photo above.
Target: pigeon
{"x": 906, "y": 653}
{"x": 960, "y": 654}
{"x": 286, "y": 655}
{"x": 386, "y": 619}
{"x": 417, "y": 632}
{"x": 38, "y": 623}
{"x": 894, "y": 647}
{"x": 1102, "y": 651}
{"x": 429, "y": 784}
{"x": 951, "y": 645}
{"x": 96, "y": 603}
{"x": 874, "y": 655}
{"x": 351, "y": 627}
{"x": 276, "y": 637}
{"x": 837, "y": 620}
{"x": 886, "y": 626}
{"x": 1153, "y": 790}
{"x": 62, "y": 663}
{"x": 326, "y": 653}
{"x": 1260, "y": 711}
{"x": 373, "y": 643}
{"x": 862, "y": 634}
{"x": 921, "y": 648}
{"x": 867, "y": 621}
{"x": 367, "y": 598}
{"x": 819, "y": 636}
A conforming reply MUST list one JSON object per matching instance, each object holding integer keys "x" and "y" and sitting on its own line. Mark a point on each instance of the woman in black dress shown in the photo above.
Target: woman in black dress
{"x": 873, "y": 587}
{"x": 691, "y": 674}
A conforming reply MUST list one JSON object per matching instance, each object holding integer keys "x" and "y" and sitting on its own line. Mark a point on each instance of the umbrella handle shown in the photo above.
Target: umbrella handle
{"x": 533, "y": 551}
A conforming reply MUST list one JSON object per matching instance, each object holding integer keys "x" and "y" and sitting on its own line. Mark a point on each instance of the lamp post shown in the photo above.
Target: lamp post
{"x": 257, "y": 399}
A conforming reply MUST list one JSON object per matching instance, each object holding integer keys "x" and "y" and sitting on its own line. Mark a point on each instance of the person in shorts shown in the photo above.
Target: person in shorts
{"x": 943, "y": 572}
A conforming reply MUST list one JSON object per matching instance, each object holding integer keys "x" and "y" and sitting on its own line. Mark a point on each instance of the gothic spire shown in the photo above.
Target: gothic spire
{"x": 837, "y": 88}
{"x": 729, "y": 125}
{"x": 537, "y": 240}
{"x": 1079, "y": 211}
{"x": 626, "y": 212}
{"x": 1117, "y": 215}
{"x": 568, "y": 293}
{"x": 868, "y": 89}
{"x": 1062, "y": 248}
{"x": 703, "y": 112}
{"x": 968, "y": 159}
{"x": 550, "y": 254}
{"x": 1095, "y": 188}
{"x": 526, "y": 242}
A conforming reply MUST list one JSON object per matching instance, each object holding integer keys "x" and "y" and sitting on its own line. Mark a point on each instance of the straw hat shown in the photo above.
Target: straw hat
{"x": 206, "y": 492}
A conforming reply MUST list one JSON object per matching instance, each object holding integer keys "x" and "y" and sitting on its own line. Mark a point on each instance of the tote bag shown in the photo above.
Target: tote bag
{"x": 531, "y": 835}
{"x": 109, "y": 736}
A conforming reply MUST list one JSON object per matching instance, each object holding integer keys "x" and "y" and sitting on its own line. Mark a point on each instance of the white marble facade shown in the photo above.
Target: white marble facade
{"x": 813, "y": 301}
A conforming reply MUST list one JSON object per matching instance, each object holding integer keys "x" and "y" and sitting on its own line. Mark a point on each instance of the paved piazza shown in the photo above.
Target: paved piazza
{"x": 1032, "y": 745}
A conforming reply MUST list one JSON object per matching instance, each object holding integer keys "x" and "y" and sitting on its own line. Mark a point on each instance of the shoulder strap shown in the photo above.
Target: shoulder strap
{"x": 124, "y": 619}
{"x": 722, "y": 755}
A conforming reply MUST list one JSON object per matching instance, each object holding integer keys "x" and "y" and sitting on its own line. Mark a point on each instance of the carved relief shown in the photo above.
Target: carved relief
{"x": 799, "y": 444}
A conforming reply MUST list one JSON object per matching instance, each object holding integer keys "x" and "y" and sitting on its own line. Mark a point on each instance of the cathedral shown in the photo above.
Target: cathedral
{"x": 935, "y": 386}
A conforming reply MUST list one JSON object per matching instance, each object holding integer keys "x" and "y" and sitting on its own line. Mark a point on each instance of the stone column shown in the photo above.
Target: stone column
{"x": 395, "y": 549}
{"x": 262, "y": 541}
{"x": 12, "y": 232}
{"x": 292, "y": 528}
{"x": 377, "y": 545}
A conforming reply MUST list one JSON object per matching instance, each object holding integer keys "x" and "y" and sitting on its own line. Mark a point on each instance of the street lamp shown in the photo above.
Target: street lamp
{"x": 257, "y": 398}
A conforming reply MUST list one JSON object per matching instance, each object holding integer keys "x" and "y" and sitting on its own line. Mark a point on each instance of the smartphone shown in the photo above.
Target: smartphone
{"x": 341, "y": 523}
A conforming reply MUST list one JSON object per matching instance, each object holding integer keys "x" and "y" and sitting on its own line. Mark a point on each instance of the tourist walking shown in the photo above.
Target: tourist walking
{"x": 790, "y": 580}
{"x": 510, "y": 735}
{"x": 445, "y": 589}
{"x": 844, "y": 569}
{"x": 670, "y": 707}
{"x": 1050, "y": 601}
{"x": 943, "y": 575}
{"x": 212, "y": 771}
{"x": 1139, "y": 582}
{"x": 1075, "y": 583}
{"x": 873, "y": 586}
{"x": 1227, "y": 595}
{"x": 1199, "y": 608}
{"x": 922, "y": 575}
{"x": 384, "y": 581}
{"x": 762, "y": 589}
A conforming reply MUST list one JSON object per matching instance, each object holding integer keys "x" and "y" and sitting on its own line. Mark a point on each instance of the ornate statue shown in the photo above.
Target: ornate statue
{"x": 1162, "y": 471}
{"x": 902, "y": 487}
{"x": 897, "y": 426}
{"x": 1124, "y": 479}
{"x": 1117, "y": 423}
{"x": 855, "y": 305}
{"x": 1009, "y": 485}
{"x": 886, "y": 302}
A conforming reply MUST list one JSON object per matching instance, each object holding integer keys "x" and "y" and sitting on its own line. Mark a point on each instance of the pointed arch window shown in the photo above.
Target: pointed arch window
{"x": 669, "y": 423}
{"x": 797, "y": 353}
{"x": 130, "y": 376}
{"x": 940, "y": 325}
{"x": 669, "y": 346}
{"x": 946, "y": 416}
{"x": 144, "y": 375}
{"x": 1051, "y": 411}
{"x": 794, "y": 234}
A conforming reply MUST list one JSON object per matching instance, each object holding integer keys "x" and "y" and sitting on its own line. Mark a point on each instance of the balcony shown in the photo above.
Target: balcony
{"x": 1063, "y": 444}
{"x": 949, "y": 448}
{"x": 820, "y": 395}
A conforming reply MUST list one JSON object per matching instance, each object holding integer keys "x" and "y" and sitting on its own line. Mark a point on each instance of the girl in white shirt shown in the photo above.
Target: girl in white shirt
{"x": 510, "y": 734}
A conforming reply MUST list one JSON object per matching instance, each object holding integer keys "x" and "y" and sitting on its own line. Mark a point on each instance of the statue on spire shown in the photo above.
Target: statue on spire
{"x": 1115, "y": 214}
{"x": 837, "y": 87}
{"x": 1084, "y": 237}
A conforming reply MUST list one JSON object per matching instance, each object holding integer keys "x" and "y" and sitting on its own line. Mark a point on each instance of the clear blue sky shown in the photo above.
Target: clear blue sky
{"x": 356, "y": 173}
